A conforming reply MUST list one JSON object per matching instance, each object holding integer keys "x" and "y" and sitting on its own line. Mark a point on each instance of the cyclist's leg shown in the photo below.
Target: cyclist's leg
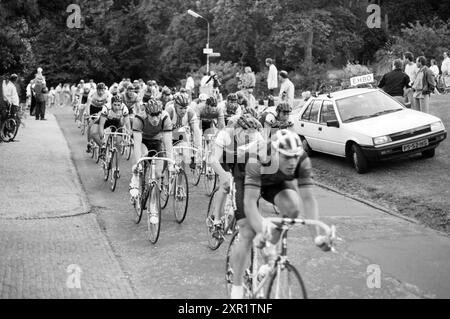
{"x": 241, "y": 254}
{"x": 135, "y": 182}
{"x": 95, "y": 135}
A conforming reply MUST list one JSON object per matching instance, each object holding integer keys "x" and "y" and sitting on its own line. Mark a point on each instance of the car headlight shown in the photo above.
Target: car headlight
{"x": 438, "y": 126}
{"x": 381, "y": 140}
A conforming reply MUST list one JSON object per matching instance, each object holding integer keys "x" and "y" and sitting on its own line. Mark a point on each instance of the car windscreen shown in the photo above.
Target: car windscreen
{"x": 366, "y": 105}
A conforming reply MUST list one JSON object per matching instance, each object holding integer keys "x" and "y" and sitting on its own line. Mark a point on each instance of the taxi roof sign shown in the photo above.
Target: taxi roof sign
{"x": 363, "y": 79}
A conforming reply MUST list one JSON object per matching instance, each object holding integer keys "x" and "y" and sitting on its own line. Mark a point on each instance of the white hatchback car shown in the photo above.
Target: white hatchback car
{"x": 366, "y": 125}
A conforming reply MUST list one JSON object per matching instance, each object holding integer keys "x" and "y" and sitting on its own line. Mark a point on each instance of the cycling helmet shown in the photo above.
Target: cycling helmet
{"x": 246, "y": 121}
{"x": 101, "y": 86}
{"x": 232, "y": 97}
{"x": 181, "y": 99}
{"x": 203, "y": 97}
{"x": 147, "y": 96}
{"x": 153, "y": 106}
{"x": 232, "y": 107}
{"x": 211, "y": 101}
{"x": 287, "y": 143}
{"x": 116, "y": 99}
{"x": 166, "y": 91}
{"x": 87, "y": 90}
{"x": 284, "y": 107}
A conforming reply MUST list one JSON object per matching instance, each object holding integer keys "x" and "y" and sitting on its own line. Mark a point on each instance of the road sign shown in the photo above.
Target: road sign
{"x": 363, "y": 79}
{"x": 215, "y": 54}
{"x": 207, "y": 51}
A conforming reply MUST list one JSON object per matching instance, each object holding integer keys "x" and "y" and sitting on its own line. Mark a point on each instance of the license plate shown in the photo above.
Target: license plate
{"x": 413, "y": 146}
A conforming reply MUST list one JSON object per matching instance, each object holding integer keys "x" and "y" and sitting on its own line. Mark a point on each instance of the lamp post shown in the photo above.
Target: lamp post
{"x": 196, "y": 15}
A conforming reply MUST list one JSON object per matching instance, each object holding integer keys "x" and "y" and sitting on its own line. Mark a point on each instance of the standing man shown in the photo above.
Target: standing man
{"x": 423, "y": 85}
{"x": 411, "y": 71}
{"x": 287, "y": 89}
{"x": 41, "y": 97}
{"x": 395, "y": 82}
{"x": 190, "y": 85}
{"x": 445, "y": 68}
{"x": 272, "y": 80}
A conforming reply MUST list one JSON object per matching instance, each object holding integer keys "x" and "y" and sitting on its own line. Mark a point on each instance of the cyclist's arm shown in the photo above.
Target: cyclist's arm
{"x": 195, "y": 128}
{"x": 101, "y": 126}
{"x": 218, "y": 147}
{"x": 137, "y": 138}
{"x": 221, "y": 120}
{"x": 167, "y": 136}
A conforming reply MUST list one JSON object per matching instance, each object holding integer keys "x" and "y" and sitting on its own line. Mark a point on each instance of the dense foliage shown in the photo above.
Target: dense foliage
{"x": 157, "y": 39}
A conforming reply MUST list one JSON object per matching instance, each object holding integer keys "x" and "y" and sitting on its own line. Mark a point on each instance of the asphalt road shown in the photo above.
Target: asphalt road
{"x": 413, "y": 260}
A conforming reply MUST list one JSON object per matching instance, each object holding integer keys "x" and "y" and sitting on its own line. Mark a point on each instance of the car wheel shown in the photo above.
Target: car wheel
{"x": 306, "y": 146}
{"x": 359, "y": 161}
{"x": 428, "y": 153}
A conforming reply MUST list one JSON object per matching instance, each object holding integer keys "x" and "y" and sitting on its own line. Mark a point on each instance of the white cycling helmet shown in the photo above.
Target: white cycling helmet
{"x": 288, "y": 143}
{"x": 203, "y": 97}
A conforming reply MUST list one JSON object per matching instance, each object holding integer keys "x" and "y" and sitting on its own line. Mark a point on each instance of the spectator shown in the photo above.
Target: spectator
{"x": 52, "y": 95}
{"x": 248, "y": 80}
{"x": 41, "y": 98}
{"x": 272, "y": 80}
{"x": 10, "y": 91}
{"x": 435, "y": 69}
{"x": 29, "y": 93}
{"x": 58, "y": 99}
{"x": 286, "y": 89}
{"x": 423, "y": 85}
{"x": 216, "y": 84}
{"x": 190, "y": 85}
{"x": 92, "y": 85}
{"x": 445, "y": 67}
{"x": 395, "y": 82}
{"x": 204, "y": 88}
{"x": 411, "y": 71}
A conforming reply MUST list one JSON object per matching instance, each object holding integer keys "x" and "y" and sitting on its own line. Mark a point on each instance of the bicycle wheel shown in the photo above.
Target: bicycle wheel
{"x": 115, "y": 170}
{"x": 180, "y": 196}
{"x": 107, "y": 163}
{"x": 197, "y": 173}
{"x": 210, "y": 180}
{"x": 93, "y": 150}
{"x": 165, "y": 187}
{"x": 8, "y": 130}
{"x": 286, "y": 283}
{"x": 128, "y": 150}
{"x": 83, "y": 127}
{"x": 123, "y": 144}
{"x": 247, "y": 280}
{"x": 214, "y": 239}
{"x": 153, "y": 214}
{"x": 139, "y": 204}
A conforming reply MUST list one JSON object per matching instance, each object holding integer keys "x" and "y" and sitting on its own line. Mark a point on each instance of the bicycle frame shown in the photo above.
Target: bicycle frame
{"x": 281, "y": 259}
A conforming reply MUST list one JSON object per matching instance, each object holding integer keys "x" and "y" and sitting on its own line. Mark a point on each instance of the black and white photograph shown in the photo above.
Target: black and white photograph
{"x": 224, "y": 150}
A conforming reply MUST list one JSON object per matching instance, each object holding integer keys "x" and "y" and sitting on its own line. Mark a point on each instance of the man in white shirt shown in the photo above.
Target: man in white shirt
{"x": 272, "y": 79}
{"x": 286, "y": 89}
{"x": 411, "y": 70}
{"x": 190, "y": 85}
{"x": 445, "y": 68}
{"x": 10, "y": 91}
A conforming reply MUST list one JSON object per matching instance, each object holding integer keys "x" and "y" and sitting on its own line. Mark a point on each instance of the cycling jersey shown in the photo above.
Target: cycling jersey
{"x": 141, "y": 123}
{"x": 266, "y": 176}
{"x": 189, "y": 119}
{"x": 130, "y": 102}
{"x": 208, "y": 114}
{"x": 96, "y": 102}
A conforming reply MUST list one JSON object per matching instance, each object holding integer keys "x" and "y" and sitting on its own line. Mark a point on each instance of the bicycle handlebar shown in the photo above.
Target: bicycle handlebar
{"x": 329, "y": 231}
{"x": 186, "y": 148}
{"x": 156, "y": 158}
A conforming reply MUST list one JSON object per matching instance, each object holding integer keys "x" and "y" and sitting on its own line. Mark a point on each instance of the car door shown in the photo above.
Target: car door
{"x": 309, "y": 123}
{"x": 331, "y": 139}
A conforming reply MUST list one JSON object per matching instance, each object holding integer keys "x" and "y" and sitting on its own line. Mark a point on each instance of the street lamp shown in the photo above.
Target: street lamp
{"x": 196, "y": 15}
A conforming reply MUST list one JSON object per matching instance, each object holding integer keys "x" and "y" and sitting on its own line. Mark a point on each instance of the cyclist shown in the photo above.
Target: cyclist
{"x": 95, "y": 103}
{"x": 230, "y": 107}
{"x": 210, "y": 115}
{"x": 130, "y": 98}
{"x": 152, "y": 131}
{"x": 116, "y": 115}
{"x": 166, "y": 96}
{"x": 229, "y": 157}
{"x": 282, "y": 175}
{"x": 246, "y": 105}
{"x": 183, "y": 116}
{"x": 276, "y": 118}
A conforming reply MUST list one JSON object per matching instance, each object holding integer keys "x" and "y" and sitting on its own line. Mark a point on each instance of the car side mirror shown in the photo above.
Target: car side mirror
{"x": 333, "y": 123}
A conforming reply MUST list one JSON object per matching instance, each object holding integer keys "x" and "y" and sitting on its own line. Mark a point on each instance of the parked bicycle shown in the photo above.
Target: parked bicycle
{"x": 9, "y": 125}
{"x": 279, "y": 279}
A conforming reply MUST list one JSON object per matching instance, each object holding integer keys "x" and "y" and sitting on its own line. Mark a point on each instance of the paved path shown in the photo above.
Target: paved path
{"x": 117, "y": 260}
{"x": 48, "y": 239}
